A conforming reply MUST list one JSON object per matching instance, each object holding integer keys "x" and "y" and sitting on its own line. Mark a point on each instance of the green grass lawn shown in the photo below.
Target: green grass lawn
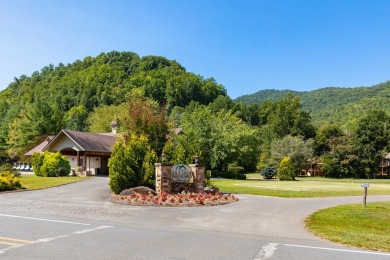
{"x": 354, "y": 225}
{"x": 303, "y": 187}
{"x": 33, "y": 182}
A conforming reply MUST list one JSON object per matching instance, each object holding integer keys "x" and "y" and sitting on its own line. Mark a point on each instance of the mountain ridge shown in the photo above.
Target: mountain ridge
{"x": 337, "y": 105}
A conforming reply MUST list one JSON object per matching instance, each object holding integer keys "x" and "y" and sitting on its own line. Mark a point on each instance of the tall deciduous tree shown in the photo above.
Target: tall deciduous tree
{"x": 145, "y": 117}
{"x": 372, "y": 138}
{"x": 325, "y": 134}
{"x": 99, "y": 120}
{"x": 220, "y": 139}
{"x": 343, "y": 159}
{"x": 182, "y": 89}
{"x": 76, "y": 117}
{"x": 294, "y": 147}
{"x": 286, "y": 117}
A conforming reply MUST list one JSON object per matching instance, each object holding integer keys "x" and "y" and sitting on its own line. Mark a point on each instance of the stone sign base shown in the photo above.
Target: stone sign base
{"x": 164, "y": 182}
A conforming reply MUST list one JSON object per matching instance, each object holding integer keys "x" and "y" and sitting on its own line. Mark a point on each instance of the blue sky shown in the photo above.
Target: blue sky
{"x": 245, "y": 45}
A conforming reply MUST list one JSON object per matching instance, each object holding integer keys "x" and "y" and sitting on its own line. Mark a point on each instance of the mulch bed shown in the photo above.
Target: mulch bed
{"x": 184, "y": 199}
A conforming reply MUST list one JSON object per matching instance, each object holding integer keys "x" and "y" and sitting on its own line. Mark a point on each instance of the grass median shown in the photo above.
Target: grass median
{"x": 354, "y": 225}
{"x": 33, "y": 182}
{"x": 304, "y": 187}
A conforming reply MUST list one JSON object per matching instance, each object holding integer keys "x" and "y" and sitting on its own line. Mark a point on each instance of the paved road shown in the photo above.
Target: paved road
{"x": 77, "y": 221}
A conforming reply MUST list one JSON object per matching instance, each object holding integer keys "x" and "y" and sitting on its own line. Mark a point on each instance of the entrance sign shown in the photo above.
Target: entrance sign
{"x": 181, "y": 173}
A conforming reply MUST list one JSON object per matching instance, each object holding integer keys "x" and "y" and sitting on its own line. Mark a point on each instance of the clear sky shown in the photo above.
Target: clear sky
{"x": 245, "y": 45}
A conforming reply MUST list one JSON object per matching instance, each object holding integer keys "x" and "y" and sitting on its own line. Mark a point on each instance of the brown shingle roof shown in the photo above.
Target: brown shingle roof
{"x": 39, "y": 147}
{"x": 91, "y": 142}
{"x": 86, "y": 141}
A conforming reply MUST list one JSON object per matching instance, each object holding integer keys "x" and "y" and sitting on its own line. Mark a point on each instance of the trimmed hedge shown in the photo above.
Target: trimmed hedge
{"x": 50, "y": 164}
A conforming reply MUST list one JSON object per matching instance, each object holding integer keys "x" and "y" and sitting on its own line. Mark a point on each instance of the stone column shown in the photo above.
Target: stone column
{"x": 199, "y": 177}
{"x": 163, "y": 178}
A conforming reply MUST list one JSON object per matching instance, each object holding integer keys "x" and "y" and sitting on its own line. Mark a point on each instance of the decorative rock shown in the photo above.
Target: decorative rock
{"x": 140, "y": 190}
{"x": 211, "y": 189}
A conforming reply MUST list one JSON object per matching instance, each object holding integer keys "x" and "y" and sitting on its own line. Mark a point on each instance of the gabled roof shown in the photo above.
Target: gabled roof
{"x": 86, "y": 141}
{"x": 39, "y": 147}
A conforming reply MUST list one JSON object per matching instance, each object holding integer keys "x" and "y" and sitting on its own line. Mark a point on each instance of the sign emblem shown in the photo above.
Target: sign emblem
{"x": 181, "y": 173}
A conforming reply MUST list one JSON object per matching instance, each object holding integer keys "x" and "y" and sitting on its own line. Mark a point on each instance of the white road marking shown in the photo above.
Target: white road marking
{"x": 44, "y": 240}
{"x": 266, "y": 251}
{"x": 341, "y": 250}
{"x": 43, "y": 219}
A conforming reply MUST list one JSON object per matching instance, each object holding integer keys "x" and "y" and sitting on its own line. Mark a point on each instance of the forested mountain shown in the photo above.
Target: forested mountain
{"x": 150, "y": 95}
{"x": 63, "y": 96}
{"x": 335, "y": 105}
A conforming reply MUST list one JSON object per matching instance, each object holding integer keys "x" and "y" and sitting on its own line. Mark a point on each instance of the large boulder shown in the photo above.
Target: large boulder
{"x": 140, "y": 190}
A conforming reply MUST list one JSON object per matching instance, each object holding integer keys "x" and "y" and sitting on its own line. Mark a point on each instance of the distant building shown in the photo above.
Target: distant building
{"x": 87, "y": 151}
{"x": 384, "y": 169}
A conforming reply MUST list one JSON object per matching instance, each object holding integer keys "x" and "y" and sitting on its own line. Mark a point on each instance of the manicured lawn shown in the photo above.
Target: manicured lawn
{"x": 303, "y": 187}
{"x": 354, "y": 225}
{"x": 33, "y": 182}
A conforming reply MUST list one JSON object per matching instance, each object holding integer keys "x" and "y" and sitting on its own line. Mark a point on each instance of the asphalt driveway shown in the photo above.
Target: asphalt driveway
{"x": 78, "y": 221}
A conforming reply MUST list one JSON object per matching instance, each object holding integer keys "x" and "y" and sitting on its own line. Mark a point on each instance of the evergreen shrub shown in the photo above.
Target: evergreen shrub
{"x": 286, "y": 171}
{"x": 9, "y": 181}
{"x": 37, "y": 162}
{"x": 50, "y": 164}
{"x": 130, "y": 163}
{"x": 268, "y": 172}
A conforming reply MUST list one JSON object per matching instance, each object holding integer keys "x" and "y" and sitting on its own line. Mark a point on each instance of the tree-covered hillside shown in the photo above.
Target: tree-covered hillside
{"x": 63, "y": 96}
{"x": 336, "y": 105}
{"x": 150, "y": 95}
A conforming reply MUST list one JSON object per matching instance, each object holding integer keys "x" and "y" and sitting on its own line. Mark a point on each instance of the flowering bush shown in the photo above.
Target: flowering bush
{"x": 9, "y": 181}
{"x": 184, "y": 199}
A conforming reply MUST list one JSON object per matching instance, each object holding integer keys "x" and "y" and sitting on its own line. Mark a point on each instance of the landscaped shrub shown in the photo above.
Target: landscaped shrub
{"x": 7, "y": 167}
{"x": 268, "y": 172}
{"x": 130, "y": 163}
{"x": 286, "y": 171}
{"x": 54, "y": 165}
{"x": 37, "y": 162}
{"x": 9, "y": 181}
{"x": 227, "y": 175}
{"x": 235, "y": 171}
{"x": 149, "y": 170}
{"x": 208, "y": 178}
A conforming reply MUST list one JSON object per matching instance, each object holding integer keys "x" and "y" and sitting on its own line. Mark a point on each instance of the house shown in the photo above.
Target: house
{"x": 313, "y": 169}
{"x": 384, "y": 169}
{"x": 85, "y": 151}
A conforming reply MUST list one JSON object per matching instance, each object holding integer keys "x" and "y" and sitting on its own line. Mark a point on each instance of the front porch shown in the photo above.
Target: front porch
{"x": 87, "y": 163}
